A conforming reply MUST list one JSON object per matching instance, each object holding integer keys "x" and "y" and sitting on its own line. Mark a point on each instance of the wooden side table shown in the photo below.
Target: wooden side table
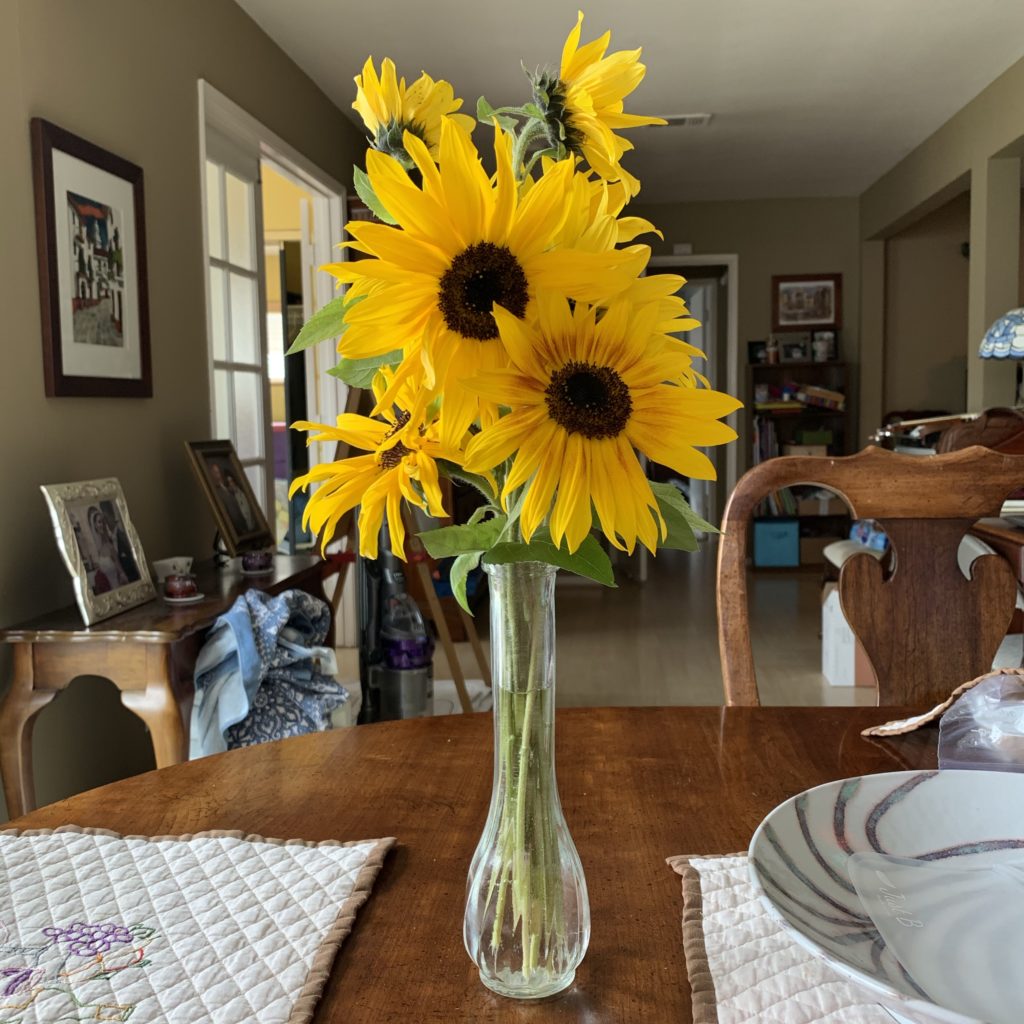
{"x": 148, "y": 653}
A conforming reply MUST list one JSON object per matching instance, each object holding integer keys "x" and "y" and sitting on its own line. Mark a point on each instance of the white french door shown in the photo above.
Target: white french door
{"x": 232, "y": 145}
{"x": 238, "y": 344}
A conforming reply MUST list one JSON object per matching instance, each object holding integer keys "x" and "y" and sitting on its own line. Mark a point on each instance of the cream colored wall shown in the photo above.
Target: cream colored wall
{"x": 122, "y": 74}
{"x": 771, "y": 236}
{"x": 926, "y": 312}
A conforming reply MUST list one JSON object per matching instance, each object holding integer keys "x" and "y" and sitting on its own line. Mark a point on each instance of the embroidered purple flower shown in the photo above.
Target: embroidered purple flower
{"x": 88, "y": 940}
{"x": 18, "y": 979}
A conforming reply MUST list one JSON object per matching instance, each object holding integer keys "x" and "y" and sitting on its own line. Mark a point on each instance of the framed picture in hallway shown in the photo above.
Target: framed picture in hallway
{"x": 91, "y": 240}
{"x": 802, "y": 301}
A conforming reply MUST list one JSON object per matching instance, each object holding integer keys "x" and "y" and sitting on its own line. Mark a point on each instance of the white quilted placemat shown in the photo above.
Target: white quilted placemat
{"x": 742, "y": 965}
{"x": 216, "y": 928}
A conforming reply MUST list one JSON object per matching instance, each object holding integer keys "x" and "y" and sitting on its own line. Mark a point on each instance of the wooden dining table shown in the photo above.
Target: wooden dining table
{"x": 637, "y": 785}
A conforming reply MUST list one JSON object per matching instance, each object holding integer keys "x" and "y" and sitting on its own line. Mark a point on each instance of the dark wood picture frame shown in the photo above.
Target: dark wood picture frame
{"x": 237, "y": 538}
{"x": 47, "y": 137}
{"x": 779, "y": 281}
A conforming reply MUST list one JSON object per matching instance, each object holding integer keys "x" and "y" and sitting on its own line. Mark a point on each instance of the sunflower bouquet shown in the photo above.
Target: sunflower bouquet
{"x": 512, "y": 340}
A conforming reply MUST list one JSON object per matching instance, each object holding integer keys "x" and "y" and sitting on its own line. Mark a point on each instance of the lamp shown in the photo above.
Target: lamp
{"x": 1005, "y": 340}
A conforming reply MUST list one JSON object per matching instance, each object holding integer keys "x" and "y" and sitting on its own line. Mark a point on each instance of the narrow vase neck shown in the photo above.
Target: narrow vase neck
{"x": 523, "y": 625}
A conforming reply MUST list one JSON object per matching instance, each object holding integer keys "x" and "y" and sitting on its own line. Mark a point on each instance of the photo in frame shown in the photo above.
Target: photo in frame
{"x": 91, "y": 248}
{"x": 825, "y": 346}
{"x": 794, "y": 346}
{"x": 757, "y": 352}
{"x": 238, "y": 514}
{"x": 99, "y": 546}
{"x": 806, "y": 300}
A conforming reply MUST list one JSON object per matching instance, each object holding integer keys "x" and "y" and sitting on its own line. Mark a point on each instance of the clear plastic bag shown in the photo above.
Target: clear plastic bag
{"x": 985, "y": 727}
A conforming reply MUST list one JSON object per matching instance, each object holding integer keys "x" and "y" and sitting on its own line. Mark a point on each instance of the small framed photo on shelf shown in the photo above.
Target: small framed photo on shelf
{"x": 806, "y": 300}
{"x": 90, "y": 223}
{"x": 794, "y": 346}
{"x": 757, "y": 352}
{"x": 100, "y": 547}
{"x": 824, "y": 346}
{"x": 239, "y": 517}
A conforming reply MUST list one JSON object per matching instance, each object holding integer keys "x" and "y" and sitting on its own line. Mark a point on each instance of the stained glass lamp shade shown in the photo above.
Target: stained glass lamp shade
{"x": 1005, "y": 340}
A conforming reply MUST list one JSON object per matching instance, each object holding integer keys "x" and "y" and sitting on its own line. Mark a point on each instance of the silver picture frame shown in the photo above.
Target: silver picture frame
{"x": 100, "y": 547}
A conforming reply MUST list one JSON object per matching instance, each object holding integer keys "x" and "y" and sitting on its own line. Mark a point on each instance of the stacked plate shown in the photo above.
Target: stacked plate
{"x": 910, "y": 884}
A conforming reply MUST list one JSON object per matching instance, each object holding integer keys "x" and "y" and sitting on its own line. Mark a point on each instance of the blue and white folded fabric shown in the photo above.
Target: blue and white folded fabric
{"x": 263, "y": 675}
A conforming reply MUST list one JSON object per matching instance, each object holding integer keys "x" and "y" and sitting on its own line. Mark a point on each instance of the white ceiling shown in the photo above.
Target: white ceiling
{"x": 810, "y": 97}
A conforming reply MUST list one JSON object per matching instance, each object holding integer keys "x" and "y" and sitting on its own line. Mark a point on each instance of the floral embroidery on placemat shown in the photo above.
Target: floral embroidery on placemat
{"x": 69, "y": 961}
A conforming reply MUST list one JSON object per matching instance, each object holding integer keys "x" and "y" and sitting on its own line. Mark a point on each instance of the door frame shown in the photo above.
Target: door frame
{"x": 221, "y": 113}
{"x": 731, "y": 262}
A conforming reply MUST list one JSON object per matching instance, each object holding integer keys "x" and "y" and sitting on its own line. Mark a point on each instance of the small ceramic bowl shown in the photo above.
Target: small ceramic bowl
{"x": 180, "y": 585}
{"x": 258, "y": 561}
{"x": 933, "y": 860}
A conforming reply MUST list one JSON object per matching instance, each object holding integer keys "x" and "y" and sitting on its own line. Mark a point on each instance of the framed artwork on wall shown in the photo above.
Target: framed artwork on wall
{"x": 99, "y": 546}
{"x": 806, "y": 300}
{"x": 91, "y": 242}
{"x": 239, "y": 517}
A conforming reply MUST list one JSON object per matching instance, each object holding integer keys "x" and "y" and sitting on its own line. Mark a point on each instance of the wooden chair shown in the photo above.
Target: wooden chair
{"x": 924, "y": 626}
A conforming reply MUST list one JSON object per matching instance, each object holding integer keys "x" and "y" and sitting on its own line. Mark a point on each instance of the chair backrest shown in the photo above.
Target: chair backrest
{"x": 924, "y": 626}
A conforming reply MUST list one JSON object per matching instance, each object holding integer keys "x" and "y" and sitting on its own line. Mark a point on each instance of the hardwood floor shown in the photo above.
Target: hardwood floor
{"x": 656, "y": 643}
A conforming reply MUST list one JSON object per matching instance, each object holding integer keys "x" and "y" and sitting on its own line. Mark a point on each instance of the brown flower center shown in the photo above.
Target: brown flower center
{"x": 480, "y": 276}
{"x": 589, "y": 400}
{"x": 393, "y": 456}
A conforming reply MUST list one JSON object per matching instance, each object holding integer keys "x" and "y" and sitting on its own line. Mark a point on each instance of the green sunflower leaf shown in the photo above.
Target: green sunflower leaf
{"x": 680, "y": 519}
{"x": 588, "y": 560}
{"x": 532, "y": 110}
{"x": 454, "y": 472}
{"x": 359, "y": 373}
{"x": 365, "y": 192}
{"x": 458, "y": 540}
{"x": 486, "y": 114}
{"x": 326, "y": 322}
{"x": 459, "y": 573}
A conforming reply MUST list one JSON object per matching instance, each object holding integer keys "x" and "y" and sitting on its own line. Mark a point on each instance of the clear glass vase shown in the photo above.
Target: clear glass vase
{"x": 527, "y": 922}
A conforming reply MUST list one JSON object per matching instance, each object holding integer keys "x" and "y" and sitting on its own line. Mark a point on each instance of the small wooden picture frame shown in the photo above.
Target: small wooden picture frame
{"x": 238, "y": 514}
{"x": 91, "y": 241}
{"x": 801, "y": 301}
{"x": 100, "y": 547}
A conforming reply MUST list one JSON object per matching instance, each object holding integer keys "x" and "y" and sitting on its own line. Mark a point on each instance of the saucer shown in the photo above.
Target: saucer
{"x": 191, "y": 599}
{"x": 258, "y": 572}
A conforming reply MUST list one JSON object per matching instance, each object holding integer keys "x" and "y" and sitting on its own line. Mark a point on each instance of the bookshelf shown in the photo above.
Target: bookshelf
{"x": 783, "y": 411}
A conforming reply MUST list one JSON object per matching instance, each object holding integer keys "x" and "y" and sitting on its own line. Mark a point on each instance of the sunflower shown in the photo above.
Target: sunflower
{"x": 582, "y": 104}
{"x": 585, "y": 393}
{"x": 463, "y": 244}
{"x": 402, "y": 464}
{"x": 389, "y": 108}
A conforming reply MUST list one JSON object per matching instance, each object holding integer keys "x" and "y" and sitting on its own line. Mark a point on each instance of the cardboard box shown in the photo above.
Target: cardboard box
{"x": 812, "y": 549}
{"x": 776, "y": 543}
{"x": 844, "y": 662}
{"x": 821, "y": 507}
{"x": 805, "y": 449}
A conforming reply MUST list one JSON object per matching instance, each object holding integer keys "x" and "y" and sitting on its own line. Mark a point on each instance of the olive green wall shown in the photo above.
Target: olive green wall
{"x": 978, "y": 148}
{"x": 926, "y": 312}
{"x": 122, "y": 74}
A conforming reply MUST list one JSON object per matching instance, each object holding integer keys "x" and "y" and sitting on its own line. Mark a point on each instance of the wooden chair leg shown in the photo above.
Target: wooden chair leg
{"x": 437, "y": 614}
{"x": 17, "y": 720}
{"x": 478, "y": 649}
{"x": 158, "y": 707}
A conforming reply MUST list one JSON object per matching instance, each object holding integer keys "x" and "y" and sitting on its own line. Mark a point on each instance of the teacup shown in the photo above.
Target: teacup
{"x": 261, "y": 560}
{"x": 180, "y": 585}
{"x": 179, "y": 565}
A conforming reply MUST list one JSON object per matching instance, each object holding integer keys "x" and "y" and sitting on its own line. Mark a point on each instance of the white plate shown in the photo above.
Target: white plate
{"x": 799, "y": 864}
{"x": 193, "y": 599}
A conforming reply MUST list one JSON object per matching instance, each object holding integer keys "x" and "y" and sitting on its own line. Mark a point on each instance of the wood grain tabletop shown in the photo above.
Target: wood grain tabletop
{"x": 637, "y": 784}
